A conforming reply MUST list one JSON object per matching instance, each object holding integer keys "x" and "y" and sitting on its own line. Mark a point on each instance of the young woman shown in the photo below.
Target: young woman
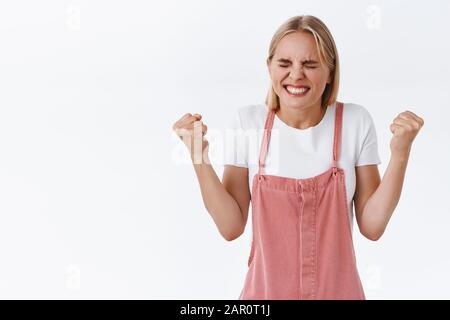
{"x": 320, "y": 157}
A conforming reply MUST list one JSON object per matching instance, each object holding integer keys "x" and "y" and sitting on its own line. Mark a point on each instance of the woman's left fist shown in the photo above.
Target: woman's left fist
{"x": 405, "y": 128}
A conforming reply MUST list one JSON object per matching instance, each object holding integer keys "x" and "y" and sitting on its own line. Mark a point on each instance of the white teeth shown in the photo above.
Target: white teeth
{"x": 296, "y": 90}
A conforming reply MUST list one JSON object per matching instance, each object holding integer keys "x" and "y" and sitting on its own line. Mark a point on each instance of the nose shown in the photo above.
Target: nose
{"x": 297, "y": 73}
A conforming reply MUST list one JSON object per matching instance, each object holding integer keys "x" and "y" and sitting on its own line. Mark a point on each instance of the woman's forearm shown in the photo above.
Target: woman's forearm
{"x": 381, "y": 205}
{"x": 220, "y": 204}
{"x": 222, "y": 207}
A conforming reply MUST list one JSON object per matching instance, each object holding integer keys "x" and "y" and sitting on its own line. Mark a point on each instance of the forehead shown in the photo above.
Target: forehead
{"x": 297, "y": 46}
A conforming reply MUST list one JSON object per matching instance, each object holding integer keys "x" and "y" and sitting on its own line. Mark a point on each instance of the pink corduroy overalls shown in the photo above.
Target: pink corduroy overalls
{"x": 302, "y": 246}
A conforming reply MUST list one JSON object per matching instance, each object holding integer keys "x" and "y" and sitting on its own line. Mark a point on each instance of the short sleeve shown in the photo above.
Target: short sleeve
{"x": 369, "y": 148}
{"x": 235, "y": 142}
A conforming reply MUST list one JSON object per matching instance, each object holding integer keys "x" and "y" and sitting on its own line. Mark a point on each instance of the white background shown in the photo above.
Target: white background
{"x": 95, "y": 201}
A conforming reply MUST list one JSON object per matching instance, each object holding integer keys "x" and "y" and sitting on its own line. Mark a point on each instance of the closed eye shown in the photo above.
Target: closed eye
{"x": 309, "y": 67}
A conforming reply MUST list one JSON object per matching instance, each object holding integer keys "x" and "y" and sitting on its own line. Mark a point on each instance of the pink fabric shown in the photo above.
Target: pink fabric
{"x": 302, "y": 246}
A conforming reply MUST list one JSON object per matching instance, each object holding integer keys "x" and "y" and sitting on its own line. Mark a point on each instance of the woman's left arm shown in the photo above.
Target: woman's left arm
{"x": 375, "y": 201}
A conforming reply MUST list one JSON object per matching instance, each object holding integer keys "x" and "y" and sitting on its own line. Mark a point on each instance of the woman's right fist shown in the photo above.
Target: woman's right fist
{"x": 191, "y": 131}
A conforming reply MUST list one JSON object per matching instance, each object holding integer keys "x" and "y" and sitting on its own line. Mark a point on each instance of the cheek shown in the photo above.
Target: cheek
{"x": 318, "y": 78}
{"x": 279, "y": 75}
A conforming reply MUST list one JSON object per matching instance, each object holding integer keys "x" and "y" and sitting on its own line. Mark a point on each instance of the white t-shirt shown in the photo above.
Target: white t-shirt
{"x": 303, "y": 153}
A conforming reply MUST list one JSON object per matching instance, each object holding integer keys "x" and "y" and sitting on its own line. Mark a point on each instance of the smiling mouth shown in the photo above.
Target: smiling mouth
{"x": 296, "y": 92}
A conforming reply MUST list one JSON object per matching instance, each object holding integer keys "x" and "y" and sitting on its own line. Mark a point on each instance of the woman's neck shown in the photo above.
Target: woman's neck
{"x": 301, "y": 118}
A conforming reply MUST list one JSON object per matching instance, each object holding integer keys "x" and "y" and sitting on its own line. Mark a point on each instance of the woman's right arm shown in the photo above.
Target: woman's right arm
{"x": 228, "y": 201}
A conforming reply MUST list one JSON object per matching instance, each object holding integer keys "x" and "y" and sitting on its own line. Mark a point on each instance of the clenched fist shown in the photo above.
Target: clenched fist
{"x": 191, "y": 130}
{"x": 405, "y": 128}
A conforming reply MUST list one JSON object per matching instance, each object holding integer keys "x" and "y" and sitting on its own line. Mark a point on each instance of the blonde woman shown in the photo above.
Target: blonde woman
{"x": 316, "y": 156}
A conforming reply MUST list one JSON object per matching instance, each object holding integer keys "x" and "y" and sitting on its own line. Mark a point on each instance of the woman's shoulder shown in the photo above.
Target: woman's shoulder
{"x": 253, "y": 115}
{"x": 356, "y": 113}
{"x": 357, "y": 121}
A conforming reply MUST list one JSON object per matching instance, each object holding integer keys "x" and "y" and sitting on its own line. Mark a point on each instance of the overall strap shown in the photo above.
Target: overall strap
{"x": 266, "y": 139}
{"x": 337, "y": 134}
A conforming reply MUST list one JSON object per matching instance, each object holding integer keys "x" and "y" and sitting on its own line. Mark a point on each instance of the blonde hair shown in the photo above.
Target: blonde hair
{"x": 327, "y": 53}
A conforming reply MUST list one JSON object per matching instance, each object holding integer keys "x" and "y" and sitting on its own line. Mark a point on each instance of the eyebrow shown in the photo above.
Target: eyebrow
{"x": 304, "y": 61}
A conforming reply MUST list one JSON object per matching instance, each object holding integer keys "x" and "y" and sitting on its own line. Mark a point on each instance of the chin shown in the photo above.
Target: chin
{"x": 291, "y": 103}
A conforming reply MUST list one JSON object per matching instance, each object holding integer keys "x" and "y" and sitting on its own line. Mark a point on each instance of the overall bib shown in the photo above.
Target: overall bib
{"x": 302, "y": 246}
